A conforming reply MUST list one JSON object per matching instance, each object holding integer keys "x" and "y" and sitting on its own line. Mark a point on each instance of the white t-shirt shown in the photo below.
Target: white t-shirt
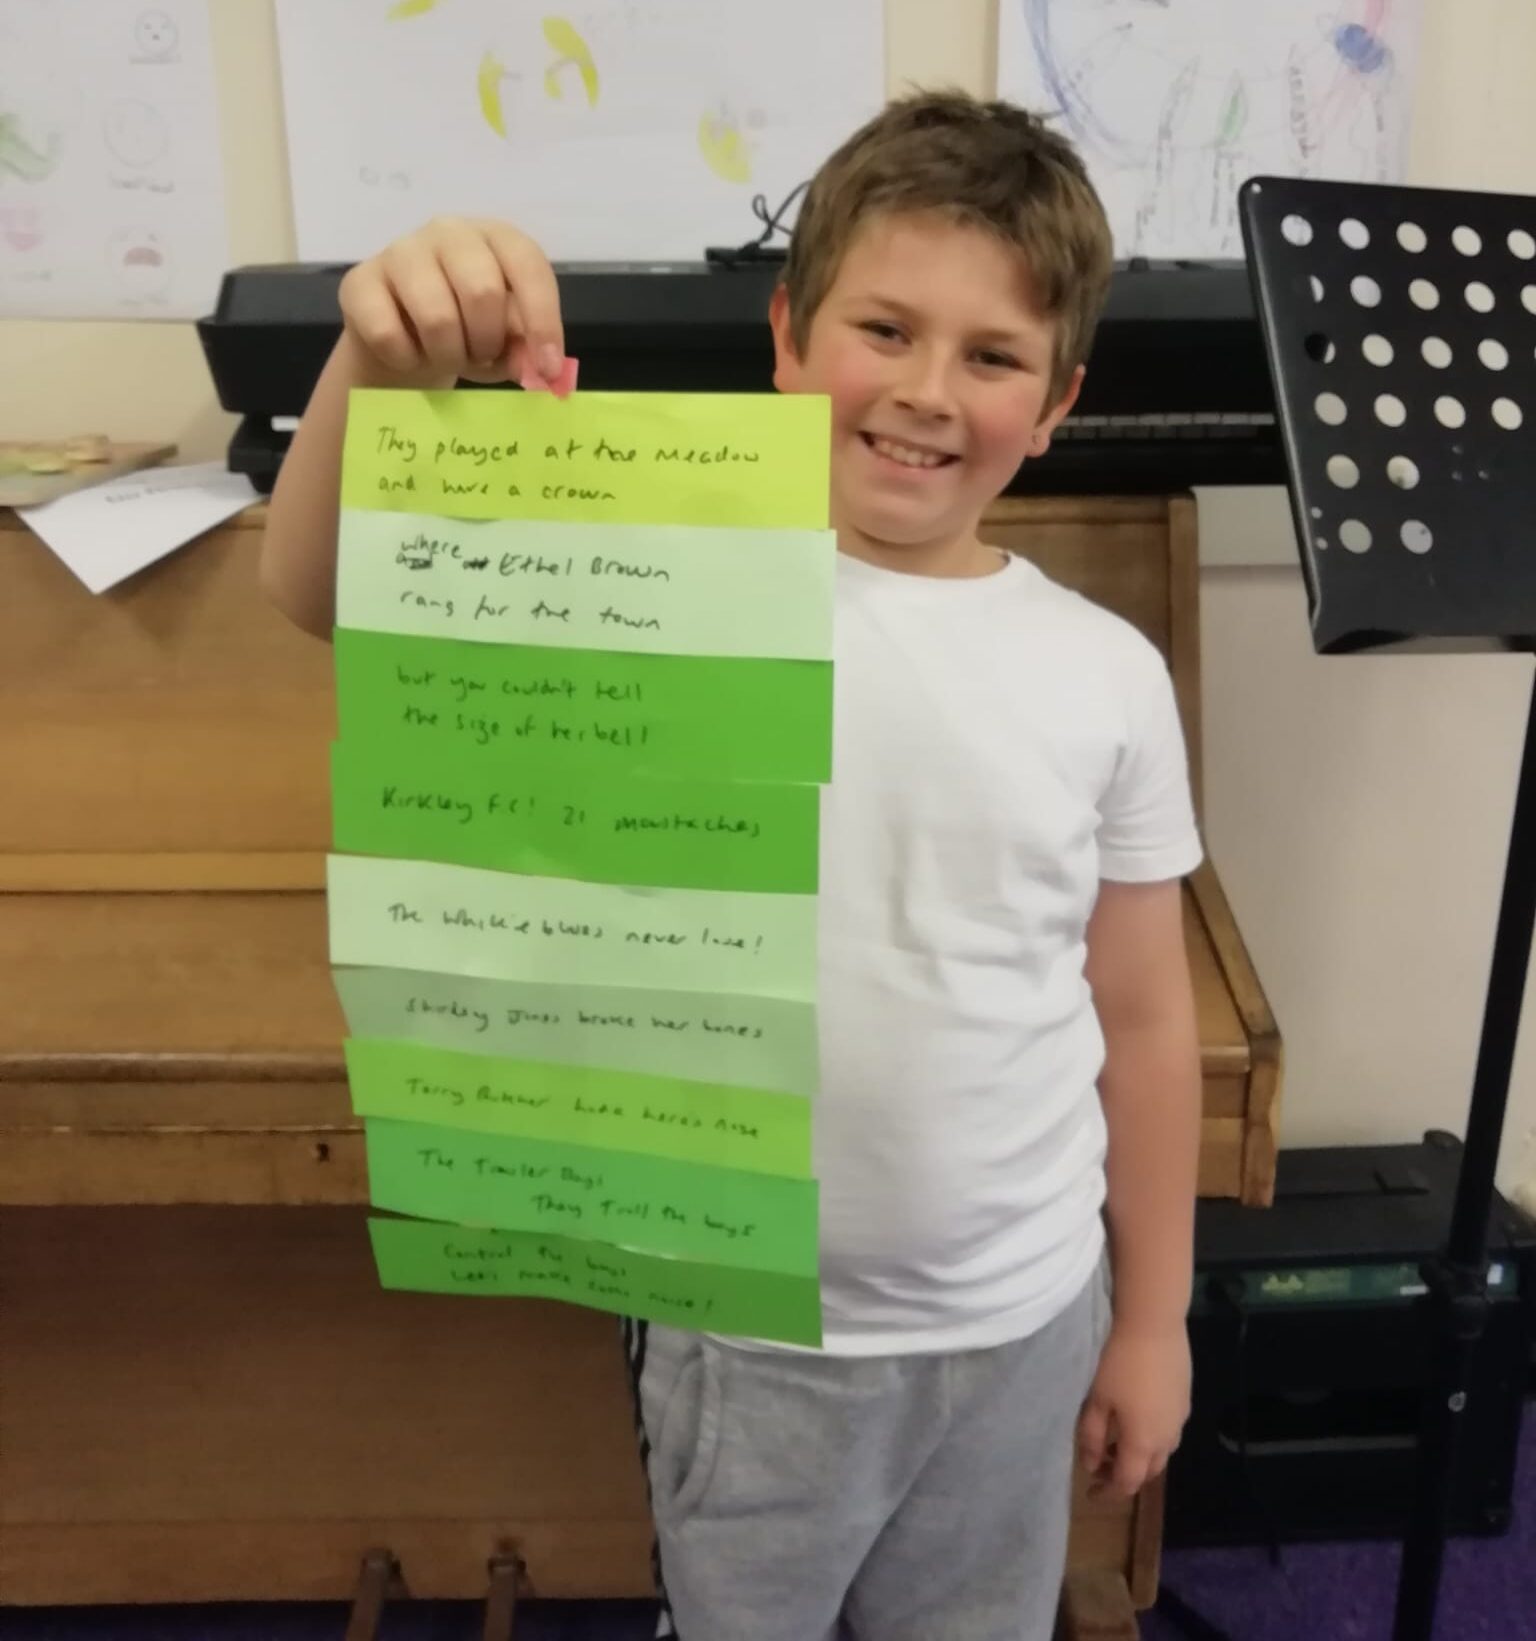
{"x": 1000, "y": 744}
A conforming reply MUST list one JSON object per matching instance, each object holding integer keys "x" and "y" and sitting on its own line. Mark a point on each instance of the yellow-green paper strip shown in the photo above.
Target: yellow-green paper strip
{"x": 553, "y": 818}
{"x": 667, "y": 589}
{"x": 749, "y": 1042}
{"x": 463, "y": 920}
{"x": 721, "y": 1216}
{"x": 745, "y": 1128}
{"x": 713, "y": 718}
{"x": 422, "y": 1257}
{"x": 753, "y": 459}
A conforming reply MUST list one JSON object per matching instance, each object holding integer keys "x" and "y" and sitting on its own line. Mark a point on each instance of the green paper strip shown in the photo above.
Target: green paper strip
{"x": 751, "y": 1042}
{"x": 462, "y": 920}
{"x": 732, "y": 718}
{"x": 753, "y": 459}
{"x": 662, "y": 589}
{"x": 422, "y": 1257}
{"x": 466, "y": 921}
{"x": 740, "y": 1128}
{"x": 719, "y": 1215}
{"x": 546, "y": 816}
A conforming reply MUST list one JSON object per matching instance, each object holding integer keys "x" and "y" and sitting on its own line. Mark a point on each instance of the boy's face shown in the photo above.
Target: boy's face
{"x": 938, "y": 365}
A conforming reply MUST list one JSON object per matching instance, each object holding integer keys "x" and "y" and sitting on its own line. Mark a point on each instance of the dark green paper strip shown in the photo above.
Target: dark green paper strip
{"x": 720, "y": 1216}
{"x": 720, "y": 719}
{"x": 424, "y": 1257}
{"x": 548, "y": 817}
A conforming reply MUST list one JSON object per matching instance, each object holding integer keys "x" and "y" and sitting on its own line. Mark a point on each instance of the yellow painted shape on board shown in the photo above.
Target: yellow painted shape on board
{"x": 724, "y": 151}
{"x": 563, "y": 38}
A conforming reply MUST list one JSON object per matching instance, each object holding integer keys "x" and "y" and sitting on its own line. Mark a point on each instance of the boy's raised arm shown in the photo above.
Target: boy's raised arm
{"x": 456, "y": 299}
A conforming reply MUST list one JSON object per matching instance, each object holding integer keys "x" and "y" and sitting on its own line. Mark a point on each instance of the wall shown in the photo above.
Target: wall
{"x": 1357, "y": 808}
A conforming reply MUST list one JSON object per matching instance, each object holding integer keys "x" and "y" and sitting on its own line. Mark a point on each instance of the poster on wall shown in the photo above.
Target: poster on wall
{"x": 609, "y": 130}
{"x": 111, "y": 182}
{"x": 1174, "y": 104}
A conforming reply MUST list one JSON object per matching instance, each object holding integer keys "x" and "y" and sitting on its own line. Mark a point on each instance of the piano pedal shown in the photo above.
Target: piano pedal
{"x": 378, "y": 1578}
{"x": 508, "y": 1573}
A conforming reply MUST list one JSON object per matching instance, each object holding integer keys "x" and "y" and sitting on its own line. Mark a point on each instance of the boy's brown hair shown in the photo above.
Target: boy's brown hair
{"x": 987, "y": 165}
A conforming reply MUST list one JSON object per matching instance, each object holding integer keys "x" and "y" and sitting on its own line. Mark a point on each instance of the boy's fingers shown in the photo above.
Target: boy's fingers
{"x": 480, "y": 288}
{"x": 374, "y": 316}
{"x": 1092, "y": 1435}
{"x": 532, "y": 280}
{"x": 427, "y": 301}
{"x": 1132, "y": 1467}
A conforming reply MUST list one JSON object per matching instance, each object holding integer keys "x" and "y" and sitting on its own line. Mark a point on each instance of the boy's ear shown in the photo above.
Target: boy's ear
{"x": 786, "y": 362}
{"x": 1040, "y": 439}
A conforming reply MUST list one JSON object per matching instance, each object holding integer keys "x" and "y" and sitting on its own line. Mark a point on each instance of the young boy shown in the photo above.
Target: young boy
{"x": 1009, "y": 1054}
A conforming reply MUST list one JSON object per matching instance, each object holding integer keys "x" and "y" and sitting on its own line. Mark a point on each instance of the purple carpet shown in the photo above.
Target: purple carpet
{"x": 1347, "y": 1592}
{"x": 1319, "y": 1592}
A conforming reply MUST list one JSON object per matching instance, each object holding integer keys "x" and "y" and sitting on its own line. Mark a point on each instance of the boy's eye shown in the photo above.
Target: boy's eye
{"x": 883, "y": 329}
{"x": 1004, "y": 361}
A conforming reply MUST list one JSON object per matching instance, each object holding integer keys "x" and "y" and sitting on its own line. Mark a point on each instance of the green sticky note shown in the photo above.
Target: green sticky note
{"x": 730, "y": 718}
{"x": 464, "y": 920}
{"x": 431, "y": 1258}
{"x": 742, "y": 1128}
{"x": 750, "y": 1042}
{"x": 665, "y": 589}
{"x": 556, "y": 818}
{"x": 722, "y": 1216}
{"x": 756, "y": 459}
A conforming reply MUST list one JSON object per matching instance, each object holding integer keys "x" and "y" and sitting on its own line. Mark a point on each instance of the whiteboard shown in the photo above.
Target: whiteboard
{"x": 612, "y": 130}
{"x": 111, "y": 181}
{"x": 1173, "y": 103}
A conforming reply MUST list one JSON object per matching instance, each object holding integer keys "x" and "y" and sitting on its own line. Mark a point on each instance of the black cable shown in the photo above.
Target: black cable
{"x": 758, "y": 250}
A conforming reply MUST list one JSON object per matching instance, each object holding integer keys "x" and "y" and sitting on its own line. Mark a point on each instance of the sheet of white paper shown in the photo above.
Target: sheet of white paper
{"x": 1173, "y": 103}
{"x": 606, "y": 130}
{"x": 111, "y": 184}
{"x": 110, "y": 531}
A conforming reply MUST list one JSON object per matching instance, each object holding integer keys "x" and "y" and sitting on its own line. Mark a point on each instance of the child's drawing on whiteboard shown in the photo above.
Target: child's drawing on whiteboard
{"x": 1175, "y": 102}
{"x": 630, "y": 130}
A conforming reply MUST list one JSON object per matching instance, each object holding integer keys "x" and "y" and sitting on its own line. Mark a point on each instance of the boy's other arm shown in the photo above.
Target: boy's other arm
{"x": 1151, "y": 1093}
{"x": 298, "y": 548}
{"x": 457, "y": 298}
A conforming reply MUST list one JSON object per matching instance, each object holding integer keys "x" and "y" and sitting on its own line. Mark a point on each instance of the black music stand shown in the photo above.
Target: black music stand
{"x": 1400, "y": 325}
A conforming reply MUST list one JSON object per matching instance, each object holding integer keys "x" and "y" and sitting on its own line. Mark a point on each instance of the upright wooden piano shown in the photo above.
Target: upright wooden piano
{"x": 204, "y": 1394}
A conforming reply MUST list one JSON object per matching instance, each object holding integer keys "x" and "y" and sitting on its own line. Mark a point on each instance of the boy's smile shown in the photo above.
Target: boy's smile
{"x": 938, "y": 367}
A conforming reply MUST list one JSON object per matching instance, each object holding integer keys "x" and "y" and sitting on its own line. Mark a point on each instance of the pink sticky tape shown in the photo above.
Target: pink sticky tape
{"x": 563, "y": 384}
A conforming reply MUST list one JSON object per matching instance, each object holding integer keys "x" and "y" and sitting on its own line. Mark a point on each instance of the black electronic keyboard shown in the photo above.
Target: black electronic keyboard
{"x": 1177, "y": 391}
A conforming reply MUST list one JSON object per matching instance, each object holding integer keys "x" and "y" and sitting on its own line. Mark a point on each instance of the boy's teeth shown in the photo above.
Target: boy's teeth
{"x": 906, "y": 455}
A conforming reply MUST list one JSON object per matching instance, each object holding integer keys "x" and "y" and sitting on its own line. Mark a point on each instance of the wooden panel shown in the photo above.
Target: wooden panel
{"x": 1096, "y": 1606}
{"x": 1256, "y": 1183}
{"x": 207, "y": 717}
{"x": 215, "y": 1379}
{"x": 214, "y": 986}
{"x": 178, "y": 712}
{"x": 192, "y": 986}
{"x": 107, "y": 1562}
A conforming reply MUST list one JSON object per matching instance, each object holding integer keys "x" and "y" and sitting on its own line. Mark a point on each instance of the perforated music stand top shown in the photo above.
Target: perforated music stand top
{"x": 1400, "y": 325}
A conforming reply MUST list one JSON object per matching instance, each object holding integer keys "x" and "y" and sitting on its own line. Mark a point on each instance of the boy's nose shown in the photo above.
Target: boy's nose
{"x": 924, "y": 387}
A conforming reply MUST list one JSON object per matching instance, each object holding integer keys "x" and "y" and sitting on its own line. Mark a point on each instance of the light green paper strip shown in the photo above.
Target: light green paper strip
{"x": 422, "y": 1257}
{"x": 733, "y": 718}
{"x": 741, "y": 1128}
{"x": 462, "y": 920}
{"x": 557, "y": 818}
{"x": 753, "y": 459}
{"x": 751, "y": 1042}
{"x": 719, "y": 1215}
{"x": 670, "y": 590}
